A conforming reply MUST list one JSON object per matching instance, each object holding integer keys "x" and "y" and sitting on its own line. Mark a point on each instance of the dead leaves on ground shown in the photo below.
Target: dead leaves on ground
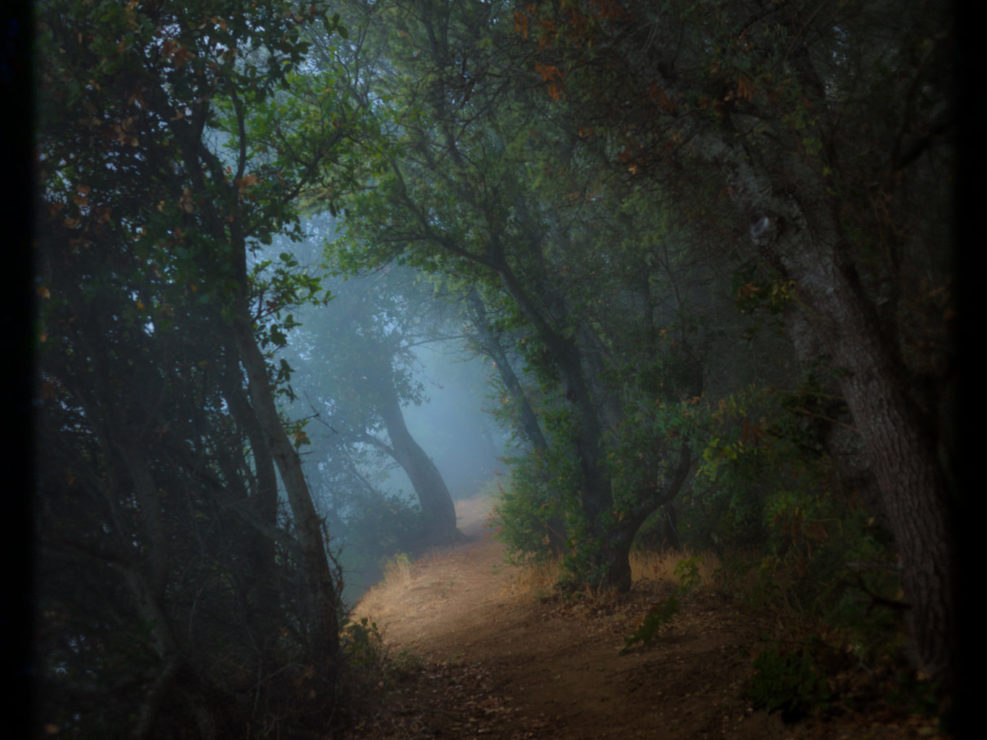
{"x": 444, "y": 699}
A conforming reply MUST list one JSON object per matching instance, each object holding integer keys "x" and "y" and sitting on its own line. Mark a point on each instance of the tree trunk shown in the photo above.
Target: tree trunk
{"x": 596, "y": 496}
{"x": 648, "y": 499}
{"x": 901, "y": 452}
{"x": 436, "y": 502}
{"x": 527, "y": 419}
{"x": 806, "y": 243}
{"x": 490, "y": 344}
{"x": 262, "y": 507}
{"x": 812, "y": 252}
{"x": 322, "y": 597}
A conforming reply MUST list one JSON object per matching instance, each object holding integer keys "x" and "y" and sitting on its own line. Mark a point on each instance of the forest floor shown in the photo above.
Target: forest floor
{"x": 482, "y": 650}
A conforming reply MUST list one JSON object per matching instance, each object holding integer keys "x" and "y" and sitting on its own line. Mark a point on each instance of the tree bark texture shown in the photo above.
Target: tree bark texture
{"x": 813, "y": 253}
{"x": 901, "y": 452}
{"x": 806, "y": 243}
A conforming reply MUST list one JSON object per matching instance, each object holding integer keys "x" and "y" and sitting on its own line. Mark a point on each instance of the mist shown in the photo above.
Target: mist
{"x": 390, "y": 400}
{"x": 645, "y": 278}
{"x": 454, "y": 423}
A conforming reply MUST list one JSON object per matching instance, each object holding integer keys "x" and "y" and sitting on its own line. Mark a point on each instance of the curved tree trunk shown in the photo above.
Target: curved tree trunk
{"x": 321, "y": 590}
{"x": 800, "y": 234}
{"x": 527, "y": 419}
{"x": 433, "y": 494}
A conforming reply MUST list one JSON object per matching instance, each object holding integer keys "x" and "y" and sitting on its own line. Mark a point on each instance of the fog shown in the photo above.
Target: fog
{"x": 702, "y": 246}
{"x": 454, "y": 424}
{"x": 362, "y": 347}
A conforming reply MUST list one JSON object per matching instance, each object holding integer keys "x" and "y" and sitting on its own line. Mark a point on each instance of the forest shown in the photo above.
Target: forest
{"x": 671, "y": 276}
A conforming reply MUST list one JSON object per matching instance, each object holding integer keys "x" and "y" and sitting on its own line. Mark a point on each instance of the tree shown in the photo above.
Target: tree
{"x": 820, "y": 129}
{"x": 359, "y": 354}
{"x": 465, "y": 194}
{"x": 156, "y": 400}
{"x": 489, "y": 342}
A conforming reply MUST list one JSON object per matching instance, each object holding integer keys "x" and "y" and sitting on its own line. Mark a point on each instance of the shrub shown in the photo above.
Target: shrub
{"x": 532, "y": 516}
{"x": 788, "y": 681}
{"x": 378, "y": 527}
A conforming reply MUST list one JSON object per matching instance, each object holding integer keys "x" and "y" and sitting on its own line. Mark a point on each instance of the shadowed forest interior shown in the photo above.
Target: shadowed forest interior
{"x": 642, "y": 314}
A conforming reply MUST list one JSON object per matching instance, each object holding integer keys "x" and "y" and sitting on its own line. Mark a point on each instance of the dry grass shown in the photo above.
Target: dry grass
{"x": 646, "y": 567}
{"x": 666, "y": 567}
{"x": 397, "y": 572}
{"x": 537, "y": 578}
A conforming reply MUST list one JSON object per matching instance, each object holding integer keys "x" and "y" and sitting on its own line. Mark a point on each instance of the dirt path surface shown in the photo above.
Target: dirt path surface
{"x": 486, "y": 656}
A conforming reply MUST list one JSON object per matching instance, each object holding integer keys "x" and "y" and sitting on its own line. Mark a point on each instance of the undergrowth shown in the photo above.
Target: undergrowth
{"x": 834, "y": 639}
{"x": 789, "y": 681}
{"x": 370, "y": 670}
{"x": 687, "y": 571}
{"x": 397, "y": 571}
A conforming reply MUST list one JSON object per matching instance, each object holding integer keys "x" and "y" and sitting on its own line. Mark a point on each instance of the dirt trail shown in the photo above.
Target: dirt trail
{"x": 498, "y": 661}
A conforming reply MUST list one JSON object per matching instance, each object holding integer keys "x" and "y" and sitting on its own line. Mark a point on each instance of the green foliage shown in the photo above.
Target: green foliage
{"x": 853, "y": 582}
{"x": 845, "y": 589}
{"x": 687, "y": 570}
{"x": 534, "y": 509}
{"x": 378, "y": 526}
{"x": 763, "y": 478}
{"x": 153, "y": 187}
{"x": 400, "y": 563}
{"x": 652, "y": 432}
{"x": 658, "y": 615}
{"x": 588, "y": 555}
{"x": 789, "y": 681}
{"x": 791, "y": 536}
{"x": 362, "y": 644}
{"x": 756, "y": 292}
